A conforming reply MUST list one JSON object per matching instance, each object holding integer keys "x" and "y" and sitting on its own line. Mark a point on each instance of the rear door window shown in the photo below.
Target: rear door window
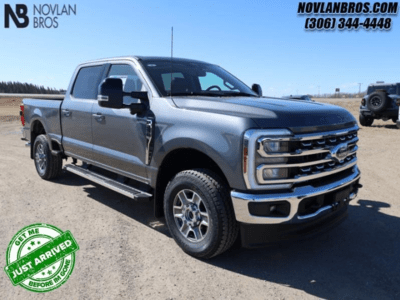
{"x": 87, "y": 82}
{"x": 390, "y": 89}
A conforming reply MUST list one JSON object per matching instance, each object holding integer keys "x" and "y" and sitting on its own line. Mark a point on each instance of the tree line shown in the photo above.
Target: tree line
{"x": 340, "y": 95}
{"x": 12, "y": 87}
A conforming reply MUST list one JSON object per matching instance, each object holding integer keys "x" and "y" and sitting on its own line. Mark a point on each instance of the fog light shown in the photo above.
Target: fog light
{"x": 275, "y": 146}
{"x": 276, "y": 173}
{"x": 270, "y": 209}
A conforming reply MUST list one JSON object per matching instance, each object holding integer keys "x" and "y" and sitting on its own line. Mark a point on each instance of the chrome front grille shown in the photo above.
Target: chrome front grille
{"x": 310, "y": 156}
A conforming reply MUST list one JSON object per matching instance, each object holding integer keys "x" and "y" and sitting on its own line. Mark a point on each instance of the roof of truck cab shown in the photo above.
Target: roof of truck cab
{"x": 147, "y": 58}
{"x": 174, "y": 59}
{"x": 382, "y": 84}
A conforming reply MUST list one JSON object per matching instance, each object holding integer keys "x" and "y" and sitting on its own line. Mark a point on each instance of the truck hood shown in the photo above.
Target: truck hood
{"x": 299, "y": 116}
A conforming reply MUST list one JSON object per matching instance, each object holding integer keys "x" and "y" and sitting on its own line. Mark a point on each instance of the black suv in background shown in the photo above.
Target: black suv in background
{"x": 380, "y": 102}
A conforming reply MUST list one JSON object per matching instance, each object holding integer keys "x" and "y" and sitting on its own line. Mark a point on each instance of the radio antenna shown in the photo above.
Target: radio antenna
{"x": 172, "y": 54}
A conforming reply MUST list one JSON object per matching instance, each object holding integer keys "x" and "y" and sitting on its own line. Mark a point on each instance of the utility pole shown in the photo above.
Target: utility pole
{"x": 318, "y": 90}
{"x": 359, "y": 89}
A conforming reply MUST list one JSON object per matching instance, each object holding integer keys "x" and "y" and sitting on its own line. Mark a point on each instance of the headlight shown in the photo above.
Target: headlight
{"x": 276, "y": 173}
{"x": 270, "y": 175}
{"x": 262, "y": 151}
{"x": 274, "y": 146}
{"x": 267, "y": 146}
{"x": 269, "y": 150}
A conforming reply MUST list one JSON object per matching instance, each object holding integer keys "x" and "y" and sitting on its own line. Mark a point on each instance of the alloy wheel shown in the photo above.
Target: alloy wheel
{"x": 191, "y": 215}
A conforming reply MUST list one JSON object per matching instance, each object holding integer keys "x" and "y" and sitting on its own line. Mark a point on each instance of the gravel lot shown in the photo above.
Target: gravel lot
{"x": 125, "y": 253}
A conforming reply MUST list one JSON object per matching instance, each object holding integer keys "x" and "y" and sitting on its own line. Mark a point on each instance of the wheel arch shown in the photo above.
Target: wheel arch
{"x": 179, "y": 160}
{"x": 37, "y": 128}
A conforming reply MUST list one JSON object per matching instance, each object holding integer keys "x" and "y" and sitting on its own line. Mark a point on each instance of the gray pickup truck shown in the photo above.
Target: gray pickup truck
{"x": 219, "y": 161}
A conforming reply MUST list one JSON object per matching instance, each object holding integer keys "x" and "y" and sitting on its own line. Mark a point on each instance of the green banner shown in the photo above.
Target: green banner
{"x": 39, "y": 259}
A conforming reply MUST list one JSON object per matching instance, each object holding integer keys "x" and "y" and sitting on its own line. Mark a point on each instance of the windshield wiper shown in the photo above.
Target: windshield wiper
{"x": 213, "y": 94}
{"x": 235, "y": 94}
{"x": 195, "y": 94}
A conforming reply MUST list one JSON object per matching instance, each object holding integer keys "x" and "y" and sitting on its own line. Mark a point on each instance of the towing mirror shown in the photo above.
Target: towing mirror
{"x": 111, "y": 95}
{"x": 257, "y": 89}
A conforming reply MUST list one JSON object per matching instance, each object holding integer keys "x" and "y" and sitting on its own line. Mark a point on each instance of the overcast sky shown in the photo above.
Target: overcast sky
{"x": 258, "y": 41}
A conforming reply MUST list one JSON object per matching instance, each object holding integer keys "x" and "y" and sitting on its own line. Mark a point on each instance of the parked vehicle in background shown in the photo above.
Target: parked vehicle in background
{"x": 298, "y": 97}
{"x": 218, "y": 160}
{"x": 380, "y": 102}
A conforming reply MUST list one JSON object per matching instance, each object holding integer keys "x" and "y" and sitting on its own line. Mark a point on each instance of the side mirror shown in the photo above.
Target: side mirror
{"x": 257, "y": 89}
{"x": 111, "y": 93}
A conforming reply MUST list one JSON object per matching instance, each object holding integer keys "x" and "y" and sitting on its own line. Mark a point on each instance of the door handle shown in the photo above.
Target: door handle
{"x": 66, "y": 112}
{"x": 99, "y": 117}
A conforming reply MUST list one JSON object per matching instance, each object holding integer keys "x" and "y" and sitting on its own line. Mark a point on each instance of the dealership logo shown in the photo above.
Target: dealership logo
{"x": 43, "y": 15}
{"x": 20, "y": 13}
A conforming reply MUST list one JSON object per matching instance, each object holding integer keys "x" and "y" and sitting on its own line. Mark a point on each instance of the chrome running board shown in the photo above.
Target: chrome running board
{"x": 112, "y": 184}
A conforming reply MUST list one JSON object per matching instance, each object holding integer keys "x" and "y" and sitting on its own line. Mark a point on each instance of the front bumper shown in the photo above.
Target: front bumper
{"x": 389, "y": 112}
{"x": 258, "y": 235}
{"x": 241, "y": 202}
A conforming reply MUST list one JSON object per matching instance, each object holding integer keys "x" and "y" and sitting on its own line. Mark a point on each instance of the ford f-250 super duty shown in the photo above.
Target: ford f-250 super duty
{"x": 216, "y": 157}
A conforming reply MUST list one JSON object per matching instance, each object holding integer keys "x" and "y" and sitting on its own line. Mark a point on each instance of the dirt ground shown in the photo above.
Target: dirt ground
{"x": 9, "y": 103}
{"x": 9, "y": 109}
{"x": 125, "y": 253}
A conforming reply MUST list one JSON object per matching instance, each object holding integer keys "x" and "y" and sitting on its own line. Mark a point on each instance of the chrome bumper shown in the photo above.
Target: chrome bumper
{"x": 242, "y": 200}
{"x": 25, "y": 134}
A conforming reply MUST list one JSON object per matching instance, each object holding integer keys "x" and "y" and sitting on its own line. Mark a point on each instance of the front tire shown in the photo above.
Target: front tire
{"x": 365, "y": 121}
{"x": 48, "y": 166}
{"x": 199, "y": 213}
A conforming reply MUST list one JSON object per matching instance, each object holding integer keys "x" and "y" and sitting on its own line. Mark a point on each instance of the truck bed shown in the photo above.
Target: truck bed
{"x": 34, "y": 96}
{"x": 47, "y": 110}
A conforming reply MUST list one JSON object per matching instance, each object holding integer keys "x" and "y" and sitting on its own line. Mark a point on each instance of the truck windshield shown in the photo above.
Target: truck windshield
{"x": 194, "y": 79}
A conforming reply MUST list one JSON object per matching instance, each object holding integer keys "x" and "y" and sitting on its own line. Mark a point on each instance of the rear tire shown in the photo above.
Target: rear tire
{"x": 47, "y": 165}
{"x": 199, "y": 213}
{"x": 378, "y": 101}
{"x": 394, "y": 120}
{"x": 365, "y": 121}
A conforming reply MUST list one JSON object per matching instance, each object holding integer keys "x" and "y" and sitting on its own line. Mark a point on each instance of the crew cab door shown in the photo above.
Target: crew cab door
{"x": 119, "y": 138}
{"x": 76, "y": 112}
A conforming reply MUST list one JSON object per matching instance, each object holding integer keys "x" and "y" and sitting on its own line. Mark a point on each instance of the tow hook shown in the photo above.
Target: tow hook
{"x": 335, "y": 206}
{"x": 355, "y": 191}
